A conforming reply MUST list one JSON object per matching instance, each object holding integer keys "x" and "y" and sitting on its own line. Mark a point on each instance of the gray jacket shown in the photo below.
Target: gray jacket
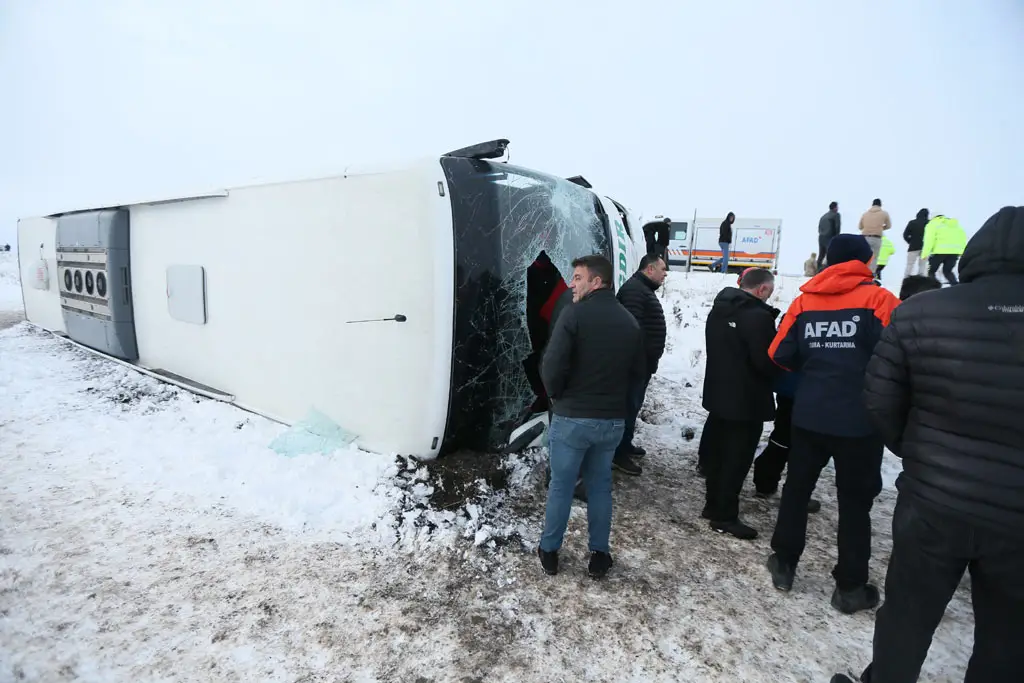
{"x": 829, "y": 225}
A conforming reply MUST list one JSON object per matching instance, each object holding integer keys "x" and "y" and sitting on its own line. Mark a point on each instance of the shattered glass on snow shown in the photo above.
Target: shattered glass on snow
{"x": 504, "y": 218}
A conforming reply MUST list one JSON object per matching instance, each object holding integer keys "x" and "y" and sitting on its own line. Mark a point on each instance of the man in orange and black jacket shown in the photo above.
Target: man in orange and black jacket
{"x": 828, "y": 335}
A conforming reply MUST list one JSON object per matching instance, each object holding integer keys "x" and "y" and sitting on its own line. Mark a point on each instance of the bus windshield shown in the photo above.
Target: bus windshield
{"x": 516, "y": 233}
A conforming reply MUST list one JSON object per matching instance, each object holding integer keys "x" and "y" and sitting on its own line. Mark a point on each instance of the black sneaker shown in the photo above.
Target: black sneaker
{"x": 841, "y": 678}
{"x": 782, "y": 574}
{"x": 737, "y": 529}
{"x": 625, "y": 464}
{"x": 765, "y": 494}
{"x": 600, "y": 563}
{"x": 706, "y": 514}
{"x": 813, "y": 506}
{"x": 857, "y": 599}
{"x": 636, "y": 451}
{"x": 549, "y": 561}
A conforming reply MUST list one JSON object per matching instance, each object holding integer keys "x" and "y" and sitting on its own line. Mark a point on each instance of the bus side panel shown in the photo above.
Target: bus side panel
{"x": 303, "y": 282}
{"x": 37, "y": 240}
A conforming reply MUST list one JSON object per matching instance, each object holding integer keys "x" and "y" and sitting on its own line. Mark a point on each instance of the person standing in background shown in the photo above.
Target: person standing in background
{"x": 637, "y": 295}
{"x": 913, "y": 235}
{"x": 737, "y": 393}
{"x": 721, "y": 264}
{"x": 944, "y": 242}
{"x": 594, "y": 356}
{"x": 887, "y": 250}
{"x": 811, "y": 265}
{"x": 873, "y": 225}
{"x": 662, "y": 238}
{"x": 829, "y": 225}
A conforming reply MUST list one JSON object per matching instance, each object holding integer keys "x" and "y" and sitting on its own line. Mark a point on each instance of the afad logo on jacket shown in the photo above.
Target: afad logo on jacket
{"x": 832, "y": 334}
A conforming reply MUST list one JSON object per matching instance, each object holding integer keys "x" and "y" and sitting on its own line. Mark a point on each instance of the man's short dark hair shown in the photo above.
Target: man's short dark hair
{"x": 598, "y": 265}
{"x": 833, "y": 206}
{"x": 877, "y": 202}
{"x": 915, "y": 284}
{"x": 651, "y": 259}
{"x": 755, "y": 277}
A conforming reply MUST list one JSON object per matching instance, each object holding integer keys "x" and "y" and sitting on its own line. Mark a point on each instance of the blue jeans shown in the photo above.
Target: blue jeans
{"x": 575, "y": 446}
{"x": 724, "y": 260}
{"x": 637, "y": 393}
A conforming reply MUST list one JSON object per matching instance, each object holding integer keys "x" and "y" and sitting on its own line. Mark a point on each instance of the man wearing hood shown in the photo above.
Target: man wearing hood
{"x": 829, "y": 225}
{"x": 913, "y": 235}
{"x": 946, "y": 390}
{"x": 737, "y": 393}
{"x": 721, "y": 264}
{"x": 944, "y": 242}
{"x": 873, "y": 225}
{"x": 828, "y": 335}
{"x": 637, "y": 295}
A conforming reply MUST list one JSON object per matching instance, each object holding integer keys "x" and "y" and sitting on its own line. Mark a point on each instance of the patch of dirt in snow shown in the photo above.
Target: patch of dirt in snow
{"x": 467, "y": 495}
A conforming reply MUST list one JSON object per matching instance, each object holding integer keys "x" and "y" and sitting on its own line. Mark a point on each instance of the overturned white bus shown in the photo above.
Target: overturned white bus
{"x": 403, "y": 303}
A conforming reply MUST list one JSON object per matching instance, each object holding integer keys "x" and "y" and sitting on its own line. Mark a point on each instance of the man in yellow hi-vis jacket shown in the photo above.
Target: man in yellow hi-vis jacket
{"x": 887, "y": 250}
{"x": 944, "y": 243}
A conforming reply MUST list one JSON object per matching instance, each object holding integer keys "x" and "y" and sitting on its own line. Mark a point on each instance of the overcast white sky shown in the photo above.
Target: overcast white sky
{"x": 768, "y": 109}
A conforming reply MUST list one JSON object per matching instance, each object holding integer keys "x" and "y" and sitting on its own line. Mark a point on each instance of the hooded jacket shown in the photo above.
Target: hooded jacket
{"x": 874, "y": 222}
{"x": 739, "y": 375}
{"x": 638, "y": 297}
{"x": 913, "y": 234}
{"x": 946, "y": 385}
{"x": 943, "y": 236}
{"x": 725, "y": 232}
{"x": 828, "y": 335}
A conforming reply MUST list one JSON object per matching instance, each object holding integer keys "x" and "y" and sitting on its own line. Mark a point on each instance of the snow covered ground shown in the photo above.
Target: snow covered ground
{"x": 149, "y": 535}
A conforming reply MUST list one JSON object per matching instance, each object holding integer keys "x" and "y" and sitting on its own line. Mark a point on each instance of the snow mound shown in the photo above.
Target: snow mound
{"x": 154, "y": 440}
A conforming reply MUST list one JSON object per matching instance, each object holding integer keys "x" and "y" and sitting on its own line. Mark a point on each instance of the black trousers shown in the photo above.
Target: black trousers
{"x": 858, "y": 463}
{"x": 772, "y": 461}
{"x": 731, "y": 445}
{"x": 947, "y": 262}
{"x": 929, "y": 556}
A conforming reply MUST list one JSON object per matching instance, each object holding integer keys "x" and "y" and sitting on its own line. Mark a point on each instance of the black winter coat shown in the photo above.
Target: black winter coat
{"x": 725, "y": 232}
{"x": 913, "y": 235}
{"x": 738, "y": 380}
{"x": 594, "y": 355}
{"x": 638, "y": 297}
{"x": 945, "y": 386}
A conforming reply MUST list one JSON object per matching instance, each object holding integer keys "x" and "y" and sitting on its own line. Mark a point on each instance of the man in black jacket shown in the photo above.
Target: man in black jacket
{"x": 738, "y": 396}
{"x": 725, "y": 242}
{"x": 638, "y": 297}
{"x": 913, "y": 235}
{"x": 829, "y": 225}
{"x": 945, "y": 388}
{"x": 594, "y": 355}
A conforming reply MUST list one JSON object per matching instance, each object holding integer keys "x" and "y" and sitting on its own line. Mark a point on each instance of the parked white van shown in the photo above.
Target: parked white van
{"x": 401, "y": 303}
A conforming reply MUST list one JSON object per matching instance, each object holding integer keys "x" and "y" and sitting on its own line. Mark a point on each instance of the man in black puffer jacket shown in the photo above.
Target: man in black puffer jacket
{"x": 913, "y": 235}
{"x": 738, "y": 393}
{"x": 637, "y": 295}
{"x": 945, "y": 389}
